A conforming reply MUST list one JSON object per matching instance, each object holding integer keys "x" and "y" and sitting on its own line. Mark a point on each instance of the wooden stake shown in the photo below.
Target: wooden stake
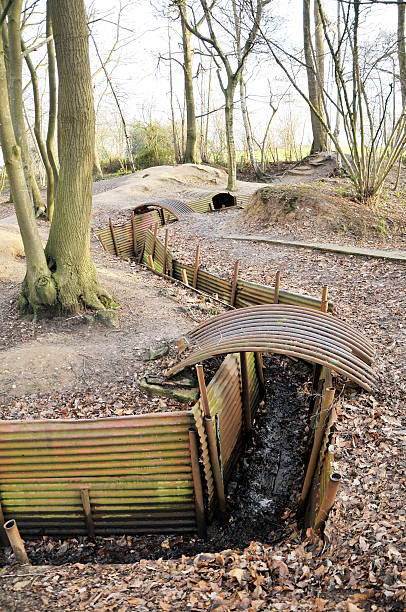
{"x": 16, "y": 542}
{"x": 196, "y": 267}
{"x": 113, "y": 235}
{"x": 324, "y": 301}
{"x": 84, "y": 495}
{"x": 154, "y": 239}
{"x": 135, "y": 248}
{"x": 328, "y": 397}
{"x": 328, "y": 500}
{"x": 246, "y": 399}
{"x": 204, "y": 400}
{"x": 197, "y": 483}
{"x": 165, "y": 251}
{"x": 215, "y": 464}
{"x": 276, "y": 288}
{"x": 184, "y": 276}
{"x": 151, "y": 262}
{"x": 260, "y": 372}
{"x": 235, "y": 281}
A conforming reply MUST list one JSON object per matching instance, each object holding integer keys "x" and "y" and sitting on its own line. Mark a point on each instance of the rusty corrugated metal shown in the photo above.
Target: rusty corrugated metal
{"x": 251, "y": 294}
{"x": 176, "y": 208}
{"x": 323, "y": 469}
{"x": 137, "y": 470}
{"x": 288, "y": 330}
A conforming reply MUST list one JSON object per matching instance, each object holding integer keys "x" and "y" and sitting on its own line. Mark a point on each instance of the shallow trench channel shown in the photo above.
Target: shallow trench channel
{"x": 261, "y": 496}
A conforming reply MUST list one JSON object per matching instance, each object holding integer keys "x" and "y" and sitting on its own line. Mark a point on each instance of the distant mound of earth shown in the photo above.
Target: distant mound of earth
{"x": 316, "y": 211}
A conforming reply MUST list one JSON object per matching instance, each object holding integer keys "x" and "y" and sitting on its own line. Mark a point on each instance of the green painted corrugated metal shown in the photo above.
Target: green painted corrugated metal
{"x": 251, "y": 294}
{"x": 137, "y": 470}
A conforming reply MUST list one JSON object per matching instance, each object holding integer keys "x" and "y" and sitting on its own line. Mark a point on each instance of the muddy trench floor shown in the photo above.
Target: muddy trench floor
{"x": 261, "y": 495}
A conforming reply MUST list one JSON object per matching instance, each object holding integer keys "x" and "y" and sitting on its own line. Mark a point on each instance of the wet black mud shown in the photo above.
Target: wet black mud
{"x": 261, "y": 496}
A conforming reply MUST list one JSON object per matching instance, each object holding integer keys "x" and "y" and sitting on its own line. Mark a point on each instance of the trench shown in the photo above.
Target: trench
{"x": 261, "y": 496}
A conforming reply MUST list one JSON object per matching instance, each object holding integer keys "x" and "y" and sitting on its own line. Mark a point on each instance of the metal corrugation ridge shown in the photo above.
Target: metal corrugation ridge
{"x": 133, "y": 486}
{"x": 177, "y": 208}
{"x": 202, "y": 206}
{"x": 263, "y": 294}
{"x": 266, "y": 329}
{"x": 205, "y": 456}
{"x": 253, "y": 383}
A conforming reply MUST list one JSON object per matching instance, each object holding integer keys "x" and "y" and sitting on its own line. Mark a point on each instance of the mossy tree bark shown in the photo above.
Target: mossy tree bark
{"x": 15, "y": 60}
{"x": 38, "y": 289}
{"x": 50, "y": 140}
{"x": 68, "y": 247}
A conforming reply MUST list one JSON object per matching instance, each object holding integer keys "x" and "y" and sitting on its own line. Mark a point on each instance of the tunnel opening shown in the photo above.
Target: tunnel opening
{"x": 223, "y": 200}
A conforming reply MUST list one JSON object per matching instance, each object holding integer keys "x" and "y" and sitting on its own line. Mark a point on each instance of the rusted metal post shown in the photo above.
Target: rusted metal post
{"x": 151, "y": 262}
{"x": 211, "y": 441}
{"x": 277, "y": 287}
{"x": 16, "y": 542}
{"x": 3, "y": 537}
{"x": 133, "y": 232}
{"x": 165, "y": 251}
{"x": 328, "y": 500}
{"x": 328, "y": 397}
{"x": 196, "y": 266}
{"x": 324, "y": 300}
{"x": 260, "y": 372}
{"x": 235, "y": 281}
{"x": 197, "y": 483}
{"x": 84, "y": 495}
{"x": 184, "y": 276}
{"x": 113, "y": 235}
{"x": 246, "y": 399}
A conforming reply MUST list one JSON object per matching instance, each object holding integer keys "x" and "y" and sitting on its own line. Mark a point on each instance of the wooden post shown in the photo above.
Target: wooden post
{"x": 235, "y": 281}
{"x": 197, "y": 483}
{"x": 3, "y": 537}
{"x": 196, "y": 267}
{"x": 326, "y": 402}
{"x": 328, "y": 500}
{"x": 151, "y": 262}
{"x": 165, "y": 251}
{"x": 211, "y": 441}
{"x": 133, "y": 232}
{"x": 324, "y": 300}
{"x": 16, "y": 542}
{"x": 84, "y": 495}
{"x": 154, "y": 239}
{"x": 113, "y": 235}
{"x": 184, "y": 276}
{"x": 260, "y": 372}
{"x": 246, "y": 399}
{"x": 276, "y": 288}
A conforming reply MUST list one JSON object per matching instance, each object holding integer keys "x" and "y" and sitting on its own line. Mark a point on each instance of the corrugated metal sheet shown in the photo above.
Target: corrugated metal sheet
{"x": 254, "y": 387}
{"x": 251, "y": 294}
{"x": 176, "y": 208}
{"x": 296, "y": 331}
{"x": 323, "y": 470}
{"x": 137, "y": 470}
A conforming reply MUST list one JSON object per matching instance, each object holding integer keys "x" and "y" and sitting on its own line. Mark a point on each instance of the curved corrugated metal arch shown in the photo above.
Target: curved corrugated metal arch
{"x": 175, "y": 207}
{"x": 288, "y": 330}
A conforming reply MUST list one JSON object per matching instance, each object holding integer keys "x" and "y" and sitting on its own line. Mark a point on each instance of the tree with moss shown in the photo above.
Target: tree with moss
{"x": 62, "y": 278}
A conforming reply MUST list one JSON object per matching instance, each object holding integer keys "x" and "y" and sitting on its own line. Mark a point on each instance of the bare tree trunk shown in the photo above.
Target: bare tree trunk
{"x": 229, "y": 116}
{"x": 317, "y": 144}
{"x": 174, "y": 134}
{"x": 68, "y": 247}
{"x": 97, "y": 169}
{"x": 37, "y": 131}
{"x": 191, "y": 130}
{"x": 50, "y": 141}
{"x": 320, "y": 71}
{"x": 38, "y": 286}
{"x": 402, "y": 50}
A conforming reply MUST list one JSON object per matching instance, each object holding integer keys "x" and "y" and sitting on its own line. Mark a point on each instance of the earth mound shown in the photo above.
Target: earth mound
{"x": 318, "y": 211}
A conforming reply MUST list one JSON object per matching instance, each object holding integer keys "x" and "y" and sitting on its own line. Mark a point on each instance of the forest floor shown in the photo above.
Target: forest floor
{"x": 77, "y": 368}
